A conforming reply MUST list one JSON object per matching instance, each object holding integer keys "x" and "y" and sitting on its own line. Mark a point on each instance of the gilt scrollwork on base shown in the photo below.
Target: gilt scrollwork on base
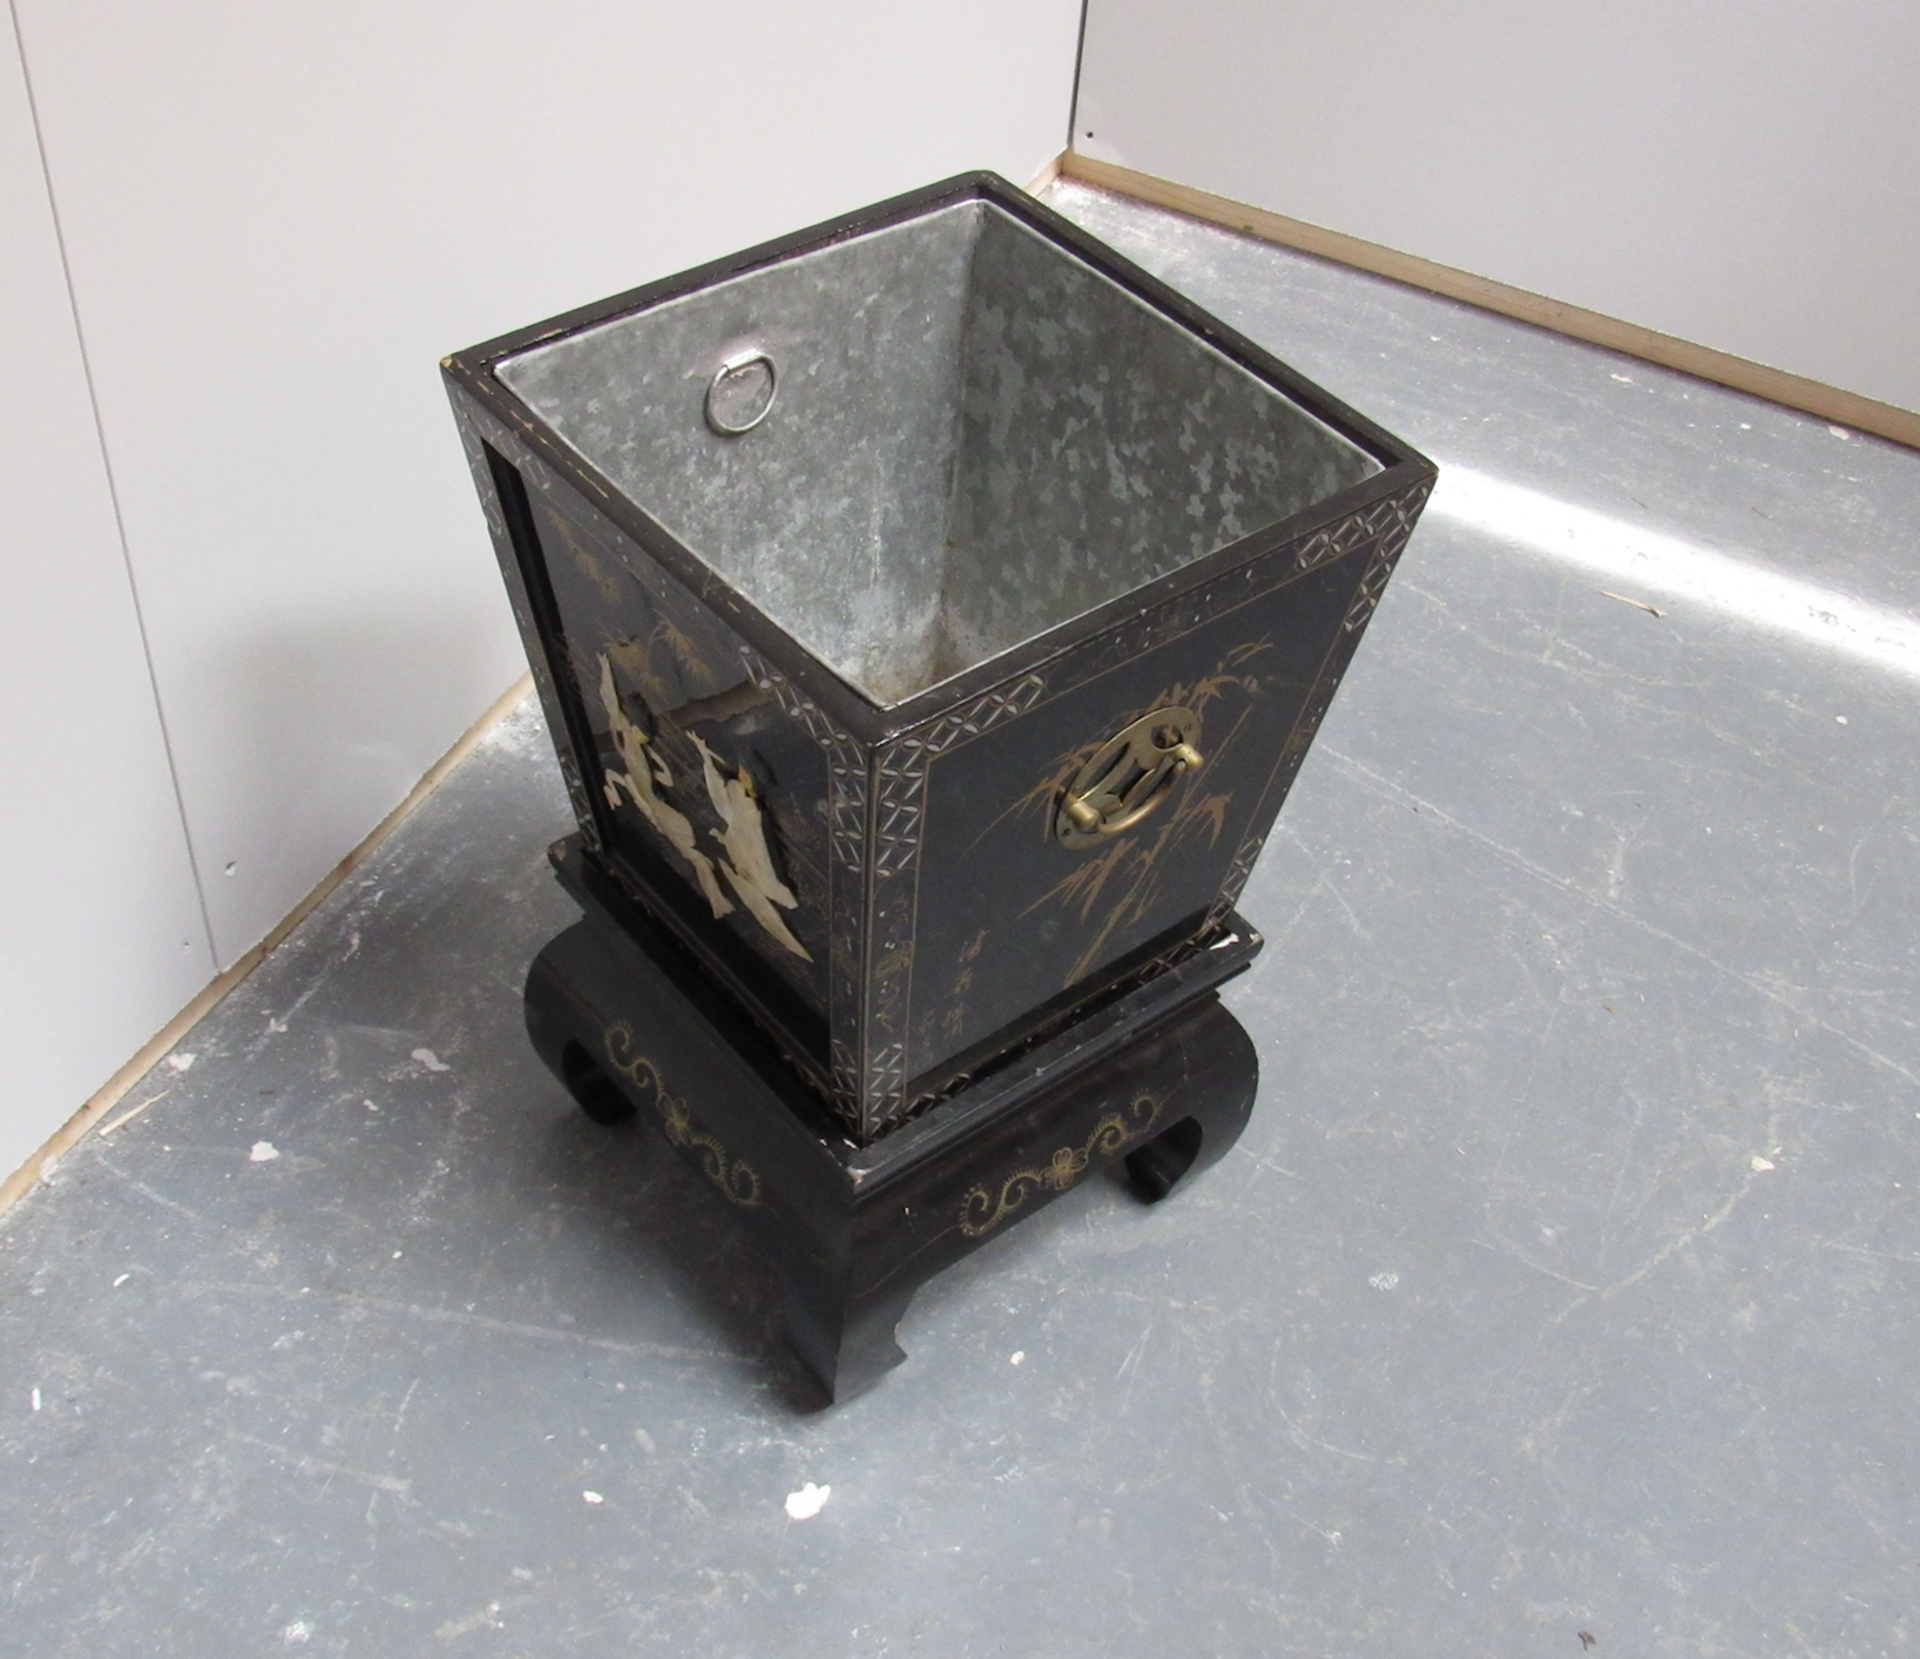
{"x": 985, "y": 1208}
{"x": 737, "y": 1179}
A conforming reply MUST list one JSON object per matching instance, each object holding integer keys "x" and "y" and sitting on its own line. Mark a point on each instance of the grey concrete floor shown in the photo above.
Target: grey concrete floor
{"x": 1565, "y": 1281}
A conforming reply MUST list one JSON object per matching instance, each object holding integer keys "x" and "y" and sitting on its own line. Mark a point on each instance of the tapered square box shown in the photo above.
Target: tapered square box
{"x": 931, "y": 610}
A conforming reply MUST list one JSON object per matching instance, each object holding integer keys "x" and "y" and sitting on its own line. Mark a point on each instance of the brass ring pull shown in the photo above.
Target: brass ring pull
{"x": 1133, "y": 772}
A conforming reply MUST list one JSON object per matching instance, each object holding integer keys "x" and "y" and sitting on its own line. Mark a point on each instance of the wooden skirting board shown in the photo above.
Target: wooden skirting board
{"x": 1795, "y": 391}
{"x": 1037, "y": 185}
{"x": 41, "y": 1165}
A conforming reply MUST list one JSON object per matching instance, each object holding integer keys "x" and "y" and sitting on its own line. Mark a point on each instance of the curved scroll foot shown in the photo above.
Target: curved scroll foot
{"x": 1224, "y": 1078}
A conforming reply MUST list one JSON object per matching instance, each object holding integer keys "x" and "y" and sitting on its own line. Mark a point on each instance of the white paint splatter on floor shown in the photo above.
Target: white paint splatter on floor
{"x": 807, "y": 1502}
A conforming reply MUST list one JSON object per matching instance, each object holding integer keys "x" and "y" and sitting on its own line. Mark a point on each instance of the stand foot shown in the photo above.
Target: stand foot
{"x": 848, "y": 1343}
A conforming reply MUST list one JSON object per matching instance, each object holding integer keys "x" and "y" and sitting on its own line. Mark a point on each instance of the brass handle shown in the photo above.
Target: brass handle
{"x": 1128, "y": 776}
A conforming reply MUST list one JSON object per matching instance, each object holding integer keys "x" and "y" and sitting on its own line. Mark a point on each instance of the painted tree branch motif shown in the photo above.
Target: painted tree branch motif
{"x": 1114, "y": 888}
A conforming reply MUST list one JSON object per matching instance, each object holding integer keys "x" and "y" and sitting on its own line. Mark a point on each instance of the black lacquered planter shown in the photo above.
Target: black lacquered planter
{"x": 931, "y": 610}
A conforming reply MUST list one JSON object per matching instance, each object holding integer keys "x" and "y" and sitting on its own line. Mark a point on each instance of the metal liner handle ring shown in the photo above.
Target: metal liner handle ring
{"x": 741, "y": 362}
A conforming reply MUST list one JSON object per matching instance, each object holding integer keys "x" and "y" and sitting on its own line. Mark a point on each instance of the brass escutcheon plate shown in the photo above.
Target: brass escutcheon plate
{"x": 1131, "y": 774}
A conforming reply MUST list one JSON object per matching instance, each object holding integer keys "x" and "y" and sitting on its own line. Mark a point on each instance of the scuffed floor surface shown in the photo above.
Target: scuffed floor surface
{"x": 1565, "y": 1282}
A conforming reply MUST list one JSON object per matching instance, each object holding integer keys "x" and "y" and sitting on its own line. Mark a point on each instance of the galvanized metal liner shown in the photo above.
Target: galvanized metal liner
{"x": 975, "y": 438}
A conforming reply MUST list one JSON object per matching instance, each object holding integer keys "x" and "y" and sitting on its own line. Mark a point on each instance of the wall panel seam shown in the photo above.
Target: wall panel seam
{"x": 113, "y": 491}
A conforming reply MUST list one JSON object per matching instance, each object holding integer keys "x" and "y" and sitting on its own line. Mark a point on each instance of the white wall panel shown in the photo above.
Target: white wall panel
{"x": 279, "y": 217}
{"x": 1739, "y": 173}
{"x": 102, "y": 932}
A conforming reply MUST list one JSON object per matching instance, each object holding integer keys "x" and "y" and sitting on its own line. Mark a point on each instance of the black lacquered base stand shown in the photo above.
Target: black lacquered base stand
{"x": 1161, "y": 1077}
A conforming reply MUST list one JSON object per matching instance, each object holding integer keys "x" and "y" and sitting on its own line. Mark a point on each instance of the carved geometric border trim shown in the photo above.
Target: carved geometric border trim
{"x": 846, "y": 831}
{"x": 903, "y": 770}
{"x": 1392, "y": 522}
{"x": 846, "y": 766}
{"x": 1235, "y": 881}
{"x": 886, "y": 1083}
{"x": 899, "y": 814}
{"x": 844, "y": 1060}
